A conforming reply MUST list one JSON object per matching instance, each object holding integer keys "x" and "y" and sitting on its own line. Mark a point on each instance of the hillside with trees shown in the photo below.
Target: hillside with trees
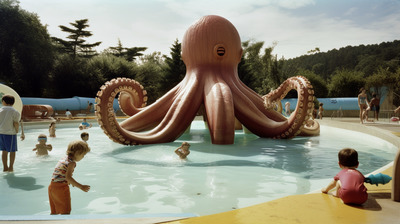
{"x": 38, "y": 65}
{"x": 347, "y": 69}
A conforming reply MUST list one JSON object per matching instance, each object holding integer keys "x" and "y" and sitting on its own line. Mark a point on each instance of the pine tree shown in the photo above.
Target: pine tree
{"x": 76, "y": 43}
{"x": 130, "y": 54}
{"x": 175, "y": 69}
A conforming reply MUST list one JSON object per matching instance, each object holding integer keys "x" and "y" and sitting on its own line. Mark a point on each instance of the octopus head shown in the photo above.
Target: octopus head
{"x": 211, "y": 40}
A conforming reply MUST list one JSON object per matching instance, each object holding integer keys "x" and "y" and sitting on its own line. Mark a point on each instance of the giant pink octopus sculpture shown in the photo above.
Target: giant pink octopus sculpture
{"x": 211, "y": 51}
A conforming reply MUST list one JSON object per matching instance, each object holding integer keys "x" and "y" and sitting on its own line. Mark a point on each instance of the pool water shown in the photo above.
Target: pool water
{"x": 152, "y": 179}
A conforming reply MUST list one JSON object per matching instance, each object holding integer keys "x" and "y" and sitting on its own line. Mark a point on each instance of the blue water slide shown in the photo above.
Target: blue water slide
{"x": 348, "y": 103}
{"x": 344, "y": 103}
{"x": 74, "y": 103}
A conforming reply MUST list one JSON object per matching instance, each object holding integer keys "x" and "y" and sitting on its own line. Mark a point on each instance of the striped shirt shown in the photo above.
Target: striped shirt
{"x": 59, "y": 174}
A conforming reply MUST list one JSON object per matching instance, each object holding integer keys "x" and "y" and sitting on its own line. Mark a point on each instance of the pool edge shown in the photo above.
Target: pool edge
{"x": 314, "y": 207}
{"x": 260, "y": 210}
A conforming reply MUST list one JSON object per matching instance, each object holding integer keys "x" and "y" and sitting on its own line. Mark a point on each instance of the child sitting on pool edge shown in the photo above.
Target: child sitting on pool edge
{"x": 42, "y": 148}
{"x": 59, "y": 194}
{"x": 183, "y": 150}
{"x": 349, "y": 182}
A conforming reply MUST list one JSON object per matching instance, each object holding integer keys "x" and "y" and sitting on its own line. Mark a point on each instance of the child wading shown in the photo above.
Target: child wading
{"x": 59, "y": 194}
{"x": 42, "y": 148}
{"x": 183, "y": 151}
{"x": 9, "y": 126}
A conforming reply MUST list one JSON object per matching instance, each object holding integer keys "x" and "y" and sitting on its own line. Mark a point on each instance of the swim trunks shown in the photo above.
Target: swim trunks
{"x": 8, "y": 143}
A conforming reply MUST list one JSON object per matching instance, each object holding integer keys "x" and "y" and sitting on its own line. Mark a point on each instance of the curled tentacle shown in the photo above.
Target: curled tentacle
{"x": 262, "y": 125}
{"x": 163, "y": 113}
{"x": 300, "y": 116}
{"x": 277, "y": 95}
{"x": 132, "y": 99}
{"x": 106, "y": 115}
{"x": 211, "y": 51}
{"x": 311, "y": 128}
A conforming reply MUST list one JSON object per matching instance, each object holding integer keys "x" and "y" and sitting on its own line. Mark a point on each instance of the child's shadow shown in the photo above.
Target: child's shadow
{"x": 372, "y": 204}
{"x": 23, "y": 183}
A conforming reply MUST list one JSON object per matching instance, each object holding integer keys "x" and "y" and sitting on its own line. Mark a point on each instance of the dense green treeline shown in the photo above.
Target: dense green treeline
{"x": 347, "y": 69}
{"x": 37, "y": 65}
{"x": 363, "y": 58}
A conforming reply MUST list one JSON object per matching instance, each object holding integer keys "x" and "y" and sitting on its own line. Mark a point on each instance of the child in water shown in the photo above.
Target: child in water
{"x": 85, "y": 136}
{"x": 287, "y": 108}
{"x": 349, "y": 182}
{"x": 52, "y": 129}
{"x": 183, "y": 150}
{"x": 59, "y": 194}
{"x": 84, "y": 125}
{"x": 320, "y": 110}
{"x": 42, "y": 148}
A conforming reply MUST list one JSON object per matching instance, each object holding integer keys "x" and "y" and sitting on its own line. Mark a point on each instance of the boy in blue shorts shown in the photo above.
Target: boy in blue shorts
{"x": 9, "y": 125}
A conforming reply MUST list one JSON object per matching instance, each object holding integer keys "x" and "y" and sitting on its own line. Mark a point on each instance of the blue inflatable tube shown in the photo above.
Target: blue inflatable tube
{"x": 80, "y": 103}
{"x": 349, "y": 103}
{"x": 74, "y": 103}
{"x": 342, "y": 103}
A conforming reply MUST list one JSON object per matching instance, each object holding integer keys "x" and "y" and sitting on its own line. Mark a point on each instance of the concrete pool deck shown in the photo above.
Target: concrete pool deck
{"x": 307, "y": 208}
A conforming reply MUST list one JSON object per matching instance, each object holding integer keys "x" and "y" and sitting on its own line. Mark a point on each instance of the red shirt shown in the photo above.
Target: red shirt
{"x": 352, "y": 189}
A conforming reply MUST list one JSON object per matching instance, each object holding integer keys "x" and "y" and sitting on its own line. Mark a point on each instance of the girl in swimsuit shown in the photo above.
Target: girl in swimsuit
{"x": 362, "y": 103}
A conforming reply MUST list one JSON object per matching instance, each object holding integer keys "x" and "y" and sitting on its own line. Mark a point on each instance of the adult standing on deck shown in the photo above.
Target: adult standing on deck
{"x": 362, "y": 103}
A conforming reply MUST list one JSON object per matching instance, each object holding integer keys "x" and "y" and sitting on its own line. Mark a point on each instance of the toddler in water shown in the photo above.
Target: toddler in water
{"x": 183, "y": 150}
{"x": 59, "y": 194}
{"x": 85, "y": 136}
{"x": 42, "y": 148}
{"x": 52, "y": 129}
{"x": 320, "y": 110}
{"x": 84, "y": 125}
{"x": 349, "y": 182}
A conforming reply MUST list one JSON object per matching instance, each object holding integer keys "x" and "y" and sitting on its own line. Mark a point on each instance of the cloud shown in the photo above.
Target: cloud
{"x": 297, "y": 25}
{"x": 294, "y": 4}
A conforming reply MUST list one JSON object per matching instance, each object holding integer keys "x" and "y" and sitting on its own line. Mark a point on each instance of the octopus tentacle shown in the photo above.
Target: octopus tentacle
{"x": 133, "y": 99}
{"x": 300, "y": 116}
{"x": 257, "y": 123}
{"x": 179, "y": 116}
{"x": 254, "y": 119}
{"x": 105, "y": 112}
{"x": 151, "y": 115}
{"x": 211, "y": 51}
{"x": 253, "y": 97}
{"x": 167, "y": 130}
{"x": 277, "y": 95}
{"x": 105, "y": 98}
{"x": 219, "y": 109}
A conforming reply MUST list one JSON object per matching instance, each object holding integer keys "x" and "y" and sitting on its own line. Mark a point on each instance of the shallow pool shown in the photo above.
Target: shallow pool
{"x": 214, "y": 178}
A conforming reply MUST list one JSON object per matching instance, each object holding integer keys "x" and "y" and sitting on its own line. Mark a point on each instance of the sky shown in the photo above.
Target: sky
{"x": 296, "y": 26}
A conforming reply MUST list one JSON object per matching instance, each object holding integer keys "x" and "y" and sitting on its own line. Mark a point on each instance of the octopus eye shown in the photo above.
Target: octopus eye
{"x": 221, "y": 51}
